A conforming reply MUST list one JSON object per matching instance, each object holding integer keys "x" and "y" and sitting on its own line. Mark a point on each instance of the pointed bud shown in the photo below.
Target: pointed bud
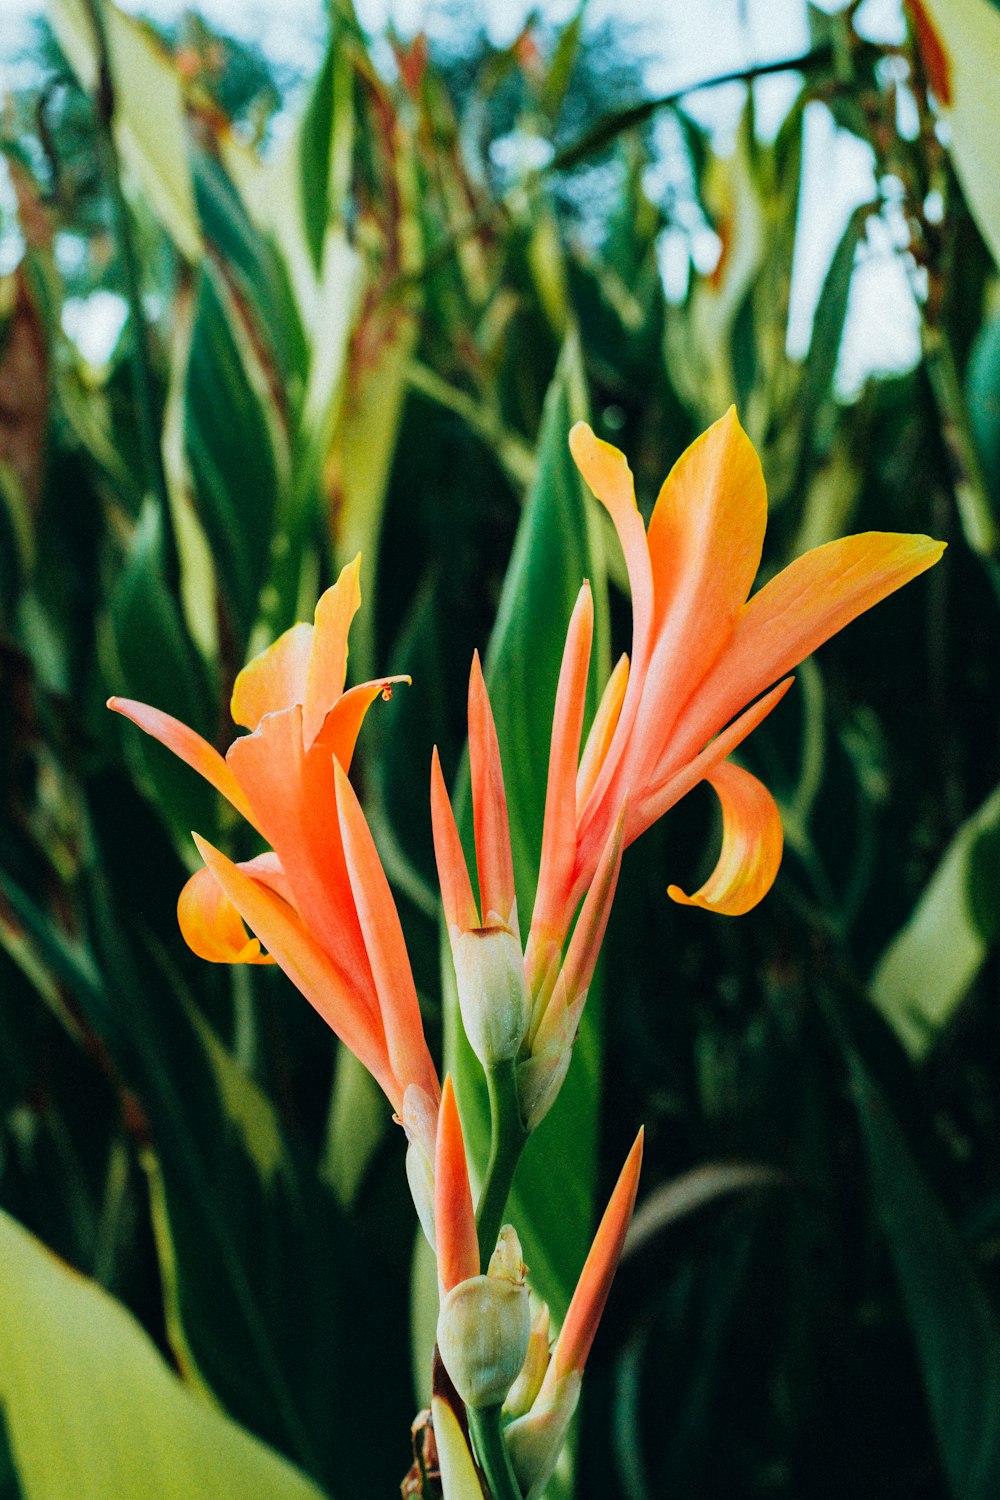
{"x": 527, "y": 1385}
{"x": 492, "y": 994}
{"x": 535, "y": 1441}
{"x": 484, "y": 1327}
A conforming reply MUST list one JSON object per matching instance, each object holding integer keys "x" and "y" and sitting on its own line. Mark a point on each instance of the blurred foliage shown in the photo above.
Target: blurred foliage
{"x": 372, "y": 331}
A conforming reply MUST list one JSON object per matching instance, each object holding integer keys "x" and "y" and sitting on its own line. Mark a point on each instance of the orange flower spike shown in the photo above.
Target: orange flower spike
{"x": 494, "y": 862}
{"x": 383, "y": 936}
{"x": 559, "y": 827}
{"x": 602, "y": 730}
{"x": 189, "y": 747}
{"x": 454, "y": 1219}
{"x": 752, "y": 843}
{"x": 460, "y": 907}
{"x": 587, "y": 1304}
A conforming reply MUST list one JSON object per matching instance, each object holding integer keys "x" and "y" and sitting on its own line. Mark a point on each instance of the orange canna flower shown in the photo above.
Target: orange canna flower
{"x": 703, "y": 649}
{"x": 318, "y": 900}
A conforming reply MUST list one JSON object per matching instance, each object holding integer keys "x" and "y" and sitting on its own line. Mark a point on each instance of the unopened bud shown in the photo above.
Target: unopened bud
{"x": 484, "y": 1327}
{"x": 535, "y": 1441}
{"x": 489, "y": 968}
{"x": 528, "y": 1383}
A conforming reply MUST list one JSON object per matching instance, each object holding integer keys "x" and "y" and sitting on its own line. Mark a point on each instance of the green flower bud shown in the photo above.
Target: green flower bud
{"x": 484, "y": 1327}
{"x": 489, "y": 968}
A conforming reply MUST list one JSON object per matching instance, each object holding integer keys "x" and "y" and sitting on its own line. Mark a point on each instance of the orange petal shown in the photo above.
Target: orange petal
{"x": 602, "y": 730}
{"x": 752, "y": 842}
{"x": 190, "y": 747}
{"x": 454, "y": 1219}
{"x": 212, "y": 927}
{"x": 592, "y": 1289}
{"x": 460, "y": 908}
{"x": 342, "y": 724}
{"x": 559, "y": 827}
{"x": 327, "y": 671}
{"x": 705, "y": 540}
{"x": 293, "y": 795}
{"x": 383, "y": 935}
{"x": 308, "y": 966}
{"x": 489, "y": 808}
{"x": 588, "y": 934}
{"x": 806, "y": 603}
{"x": 606, "y": 471}
{"x": 273, "y": 680}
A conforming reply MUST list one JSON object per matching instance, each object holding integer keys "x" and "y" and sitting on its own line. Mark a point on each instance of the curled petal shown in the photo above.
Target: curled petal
{"x": 460, "y": 907}
{"x": 342, "y": 724}
{"x": 188, "y": 747}
{"x": 559, "y": 827}
{"x": 307, "y": 965}
{"x": 327, "y": 667}
{"x": 273, "y": 680}
{"x": 494, "y": 861}
{"x": 751, "y": 845}
{"x": 454, "y": 1218}
{"x": 212, "y": 927}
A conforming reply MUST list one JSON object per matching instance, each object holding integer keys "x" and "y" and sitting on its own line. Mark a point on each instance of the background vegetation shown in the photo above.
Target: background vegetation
{"x": 375, "y": 334}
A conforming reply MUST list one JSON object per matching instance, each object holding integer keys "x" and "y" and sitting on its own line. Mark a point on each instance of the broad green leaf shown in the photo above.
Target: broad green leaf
{"x": 953, "y": 1324}
{"x": 91, "y": 1409}
{"x": 925, "y": 973}
{"x": 149, "y": 120}
{"x": 965, "y": 36}
{"x": 557, "y": 546}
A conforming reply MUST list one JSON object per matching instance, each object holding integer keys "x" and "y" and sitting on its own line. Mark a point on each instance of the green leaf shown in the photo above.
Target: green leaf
{"x": 953, "y": 1323}
{"x": 91, "y": 1409}
{"x": 557, "y": 546}
{"x": 925, "y": 973}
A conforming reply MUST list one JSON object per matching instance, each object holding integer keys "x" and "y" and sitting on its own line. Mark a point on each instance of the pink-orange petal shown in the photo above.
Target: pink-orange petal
{"x": 559, "y": 827}
{"x": 752, "y": 843}
{"x": 591, "y": 1294}
{"x": 390, "y": 964}
{"x": 602, "y": 730}
{"x": 454, "y": 1219}
{"x": 588, "y": 934}
{"x": 189, "y": 747}
{"x": 342, "y": 725}
{"x": 308, "y": 966}
{"x": 327, "y": 670}
{"x": 273, "y": 680}
{"x": 797, "y": 611}
{"x": 212, "y": 927}
{"x": 494, "y": 861}
{"x": 705, "y": 540}
{"x": 460, "y": 909}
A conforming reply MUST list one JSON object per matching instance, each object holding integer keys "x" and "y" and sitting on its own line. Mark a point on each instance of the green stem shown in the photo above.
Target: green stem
{"x": 491, "y": 1452}
{"x": 507, "y": 1141}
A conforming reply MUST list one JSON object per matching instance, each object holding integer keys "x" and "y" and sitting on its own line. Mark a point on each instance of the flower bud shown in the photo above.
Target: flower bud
{"x": 484, "y": 1327}
{"x": 528, "y": 1383}
{"x": 535, "y": 1440}
{"x": 489, "y": 968}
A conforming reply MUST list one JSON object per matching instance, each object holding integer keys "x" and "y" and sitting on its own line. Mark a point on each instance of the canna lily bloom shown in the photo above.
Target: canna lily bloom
{"x": 534, "y": 1440}
{"x": 703, "y": 649}
{"x": 318, "y": 900}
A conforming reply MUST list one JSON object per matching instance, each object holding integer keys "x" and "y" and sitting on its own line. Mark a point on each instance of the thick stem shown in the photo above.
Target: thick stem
{"x": 491, "y": 1452}
{"x": 507, "y": 1141}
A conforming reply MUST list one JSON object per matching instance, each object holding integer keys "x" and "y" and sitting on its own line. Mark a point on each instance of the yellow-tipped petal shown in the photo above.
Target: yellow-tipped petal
{"x": 327, "y": 668}
{"x": 705, "y": 540}
{"x": 791, "y": 616}
{"x": 559, "y": 827}
{"x": 385, "y": 945}
{"x": 460, "y": 909}
{"x": 308, "y": 966}
{"x": 188, "y": 747}
{"x": 212, "y": 927}
{"x": 602, "y": 730}
{"x": 494, "y": 862}
{"x": 459, "y": 1480}
{"x": 273, "y": 680}
{"x": 752, "y": 842}
{"x": 592, "y": 1289}
{"x": 454, "y": 1219}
